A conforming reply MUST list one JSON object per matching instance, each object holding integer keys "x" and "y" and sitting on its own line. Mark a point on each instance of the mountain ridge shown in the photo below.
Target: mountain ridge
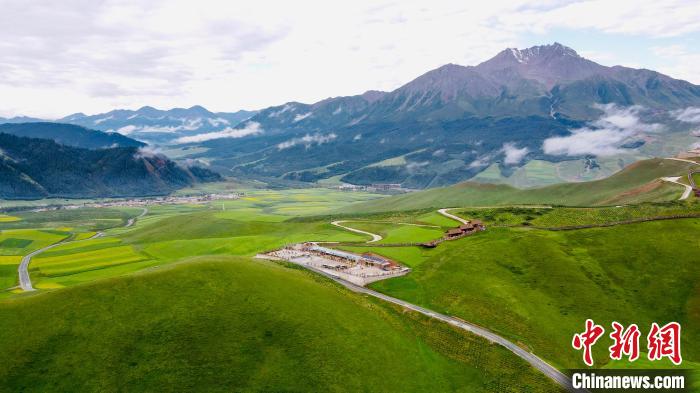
{"x": 32, "y": 168}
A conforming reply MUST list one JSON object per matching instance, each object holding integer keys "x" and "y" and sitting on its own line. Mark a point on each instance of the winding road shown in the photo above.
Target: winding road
{"x": 445, "y": 213}
{"x": 536, "y": 362}
{"x": 25, "y": 281}
{"x": 688, "y": 189}
{"x": 375, "y": 237}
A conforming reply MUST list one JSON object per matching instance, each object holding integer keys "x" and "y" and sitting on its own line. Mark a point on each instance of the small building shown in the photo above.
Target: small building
{"x": 477, "y": 224}
{"x": 466, "y": 227}
{"x": 378, "y": 260}
{"x": 454, "y": 232}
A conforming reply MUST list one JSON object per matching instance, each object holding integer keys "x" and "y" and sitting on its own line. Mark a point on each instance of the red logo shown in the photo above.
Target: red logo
{"x": 663, "y": 342}
{"x": 626, "y": 342}
{"x": 586, "y": 340}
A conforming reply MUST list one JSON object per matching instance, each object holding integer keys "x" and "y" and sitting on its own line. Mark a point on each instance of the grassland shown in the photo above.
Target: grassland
{"x": 226, "y": 324}
{"x": 637, "y": 183}
{"x": 537, "y": 286}
{"x": 188, "y": 307}
{"x": 566, "y": 217}
{"x": 84, "y": 219}
{"x": 398, "y": 232}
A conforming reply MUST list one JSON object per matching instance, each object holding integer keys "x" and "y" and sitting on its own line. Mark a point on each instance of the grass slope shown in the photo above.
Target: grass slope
{"x": 636, "y": 183}
{"x": 538, "y": 286}
{"x": 227, "y": 324}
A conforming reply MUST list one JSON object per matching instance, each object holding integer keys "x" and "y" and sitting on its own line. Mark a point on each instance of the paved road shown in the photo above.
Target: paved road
{"x": 375, "y": 237}
{"x": 544, "y": 367}
{"x": 682, "y": 160}
{"x": 688, "y": 189}
{"x": 25, "y": 281}
{"x": 452, "y": 216}
{"x": 132, "y": 221}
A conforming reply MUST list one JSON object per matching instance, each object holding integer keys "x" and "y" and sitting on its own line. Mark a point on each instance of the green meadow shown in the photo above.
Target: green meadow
{"x": 636, "y": 183}
{"x": 188, "y": 307}
{"x": 537, "y": 286}
{"x": 220, "y": 324}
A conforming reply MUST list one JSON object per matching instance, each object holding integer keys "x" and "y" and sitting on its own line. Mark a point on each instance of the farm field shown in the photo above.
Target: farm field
{"x": 166, "y": 234}
{"x": 84, "y": 219}
{"x": 210, "y": 325}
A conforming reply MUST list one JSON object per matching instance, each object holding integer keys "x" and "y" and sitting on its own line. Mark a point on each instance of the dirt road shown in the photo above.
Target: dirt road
{"x": 452, "y": 216}
{"x": 375, "y": 237}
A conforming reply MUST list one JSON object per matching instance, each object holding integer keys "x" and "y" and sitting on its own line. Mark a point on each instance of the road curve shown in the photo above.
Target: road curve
{"x": 132, "y": 221}
{"x": 688, "y": 189}
{"x": 452, "y": 216}
{"x": 375, "y": 237}
{"x": 25, "y": 282}
{"x": 536, "y": 362}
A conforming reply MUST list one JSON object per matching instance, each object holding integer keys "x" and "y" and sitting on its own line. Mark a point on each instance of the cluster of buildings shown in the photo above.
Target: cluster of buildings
{"x": 377, "y": 187}
{"x": 465, "y": 229}
{"x": 365, "y": 259}
{"x": 359, "y": 269}
{"x": 142, "y": 202}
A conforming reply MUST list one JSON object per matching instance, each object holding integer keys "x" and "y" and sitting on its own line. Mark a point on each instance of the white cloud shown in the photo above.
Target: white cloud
{"x": 480, "y": 162}
{"x": 251, "y": 128}
{"x": 307, "y": 140}
{"x": 513, "y": 155}
{"x": 688, "y": 115}
{"x": 126, "y": 130}
{"x": 301, "y": 117}
{"x": 603, "y": 137}
{"x": 412, "y": 167}
{"x": 147, "y": 152}
{"x": 218, "y": 121}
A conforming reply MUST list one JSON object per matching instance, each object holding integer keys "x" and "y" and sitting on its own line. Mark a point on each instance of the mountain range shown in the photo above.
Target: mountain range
{"x": 32, "y": 168}
{"x": 151, "y": 125}
{"x": 525, "y": 117}
{"x": 70, "y": 135}
{"x": 455, "y": 123}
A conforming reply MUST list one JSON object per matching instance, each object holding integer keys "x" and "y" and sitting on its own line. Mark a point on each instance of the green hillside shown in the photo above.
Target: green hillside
{"x": 636, "y": 183}
{"x": 537, "y": 286}
{"x": 224, "y": 324}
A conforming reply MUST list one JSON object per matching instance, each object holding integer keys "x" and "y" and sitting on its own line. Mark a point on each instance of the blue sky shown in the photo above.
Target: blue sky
{"x": 92, "y": 56}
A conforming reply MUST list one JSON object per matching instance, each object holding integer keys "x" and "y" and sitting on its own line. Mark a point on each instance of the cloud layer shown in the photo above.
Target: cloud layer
{"x": 603, "y": 137}
{"x": 251, "y": 128}
{"x": 687, "y": 115}
{"x": 513, "y": 154}
{"x": 307, "y": 140}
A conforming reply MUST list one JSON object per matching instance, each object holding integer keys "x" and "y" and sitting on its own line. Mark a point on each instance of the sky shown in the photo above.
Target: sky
{"x": 58, "y": 58}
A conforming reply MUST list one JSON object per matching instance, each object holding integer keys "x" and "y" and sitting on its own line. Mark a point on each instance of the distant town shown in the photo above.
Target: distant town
{"x": 147, "y": 201}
